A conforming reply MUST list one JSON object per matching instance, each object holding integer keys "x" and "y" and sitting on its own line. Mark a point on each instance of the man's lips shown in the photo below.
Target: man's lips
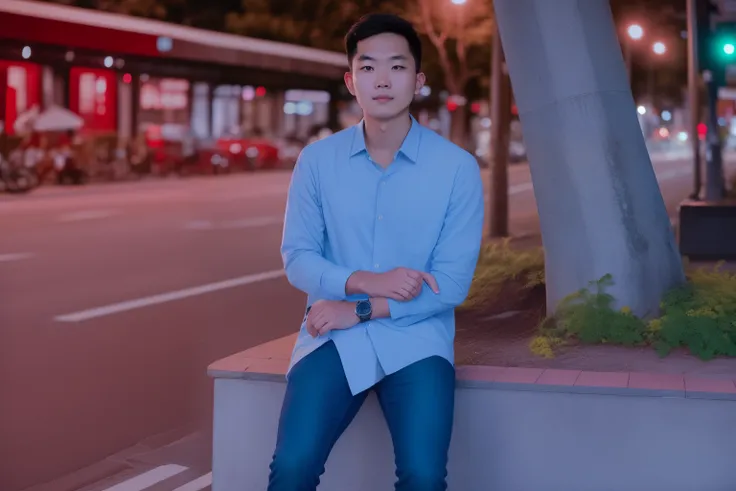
{"x": 383, "y": 98}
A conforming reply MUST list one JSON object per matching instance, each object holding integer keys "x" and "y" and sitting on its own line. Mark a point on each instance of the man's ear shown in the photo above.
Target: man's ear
{"x": 420, "y": 81}
{"x": 349, "y": 83}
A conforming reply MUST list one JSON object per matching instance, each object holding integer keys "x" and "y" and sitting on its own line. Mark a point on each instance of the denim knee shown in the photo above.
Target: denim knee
{"x": 419, "y": 476}
{"x": 294, "y": 471}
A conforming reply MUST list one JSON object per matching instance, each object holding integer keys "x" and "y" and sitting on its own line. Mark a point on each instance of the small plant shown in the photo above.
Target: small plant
{"x": 499, "y": 263}
{"x": 588, "y": 315}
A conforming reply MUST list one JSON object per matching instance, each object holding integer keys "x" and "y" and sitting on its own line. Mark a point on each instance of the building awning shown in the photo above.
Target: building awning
{"x": 44, "y": 23}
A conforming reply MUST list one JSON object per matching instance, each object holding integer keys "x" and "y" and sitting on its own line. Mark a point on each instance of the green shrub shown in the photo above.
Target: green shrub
{"x": 699, "y": 316}
{"x": 499, "y": 263}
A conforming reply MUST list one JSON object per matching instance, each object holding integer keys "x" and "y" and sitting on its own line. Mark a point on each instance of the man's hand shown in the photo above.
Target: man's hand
{"x": 327, "y": 315}
{"x": 399, "y": 284}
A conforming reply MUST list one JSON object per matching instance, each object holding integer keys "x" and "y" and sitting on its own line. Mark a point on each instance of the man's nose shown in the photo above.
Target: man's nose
{"x": 382, "y": 82}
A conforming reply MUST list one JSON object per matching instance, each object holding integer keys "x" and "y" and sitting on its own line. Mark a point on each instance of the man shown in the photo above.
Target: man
{"x": 382, "y": 231}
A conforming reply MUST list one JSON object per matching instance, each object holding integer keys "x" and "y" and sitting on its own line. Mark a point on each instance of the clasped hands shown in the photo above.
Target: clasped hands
{"x": 400, "y": 284}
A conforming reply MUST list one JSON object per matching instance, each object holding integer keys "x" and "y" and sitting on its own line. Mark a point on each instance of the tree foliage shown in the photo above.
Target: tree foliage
{"x": 317, "y": 23}
{"x": 456, "y": 32}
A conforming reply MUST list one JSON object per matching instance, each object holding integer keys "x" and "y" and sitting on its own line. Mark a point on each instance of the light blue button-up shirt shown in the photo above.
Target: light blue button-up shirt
{"x": 346, "y": 213}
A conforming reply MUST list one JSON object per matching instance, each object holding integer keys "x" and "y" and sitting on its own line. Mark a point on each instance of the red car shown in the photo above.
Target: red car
{"x": 249, "y": 153}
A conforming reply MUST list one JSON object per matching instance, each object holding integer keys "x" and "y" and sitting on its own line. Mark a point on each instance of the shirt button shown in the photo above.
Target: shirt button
{"x": 380, "y": 217}
{"x": 376, "y": 266}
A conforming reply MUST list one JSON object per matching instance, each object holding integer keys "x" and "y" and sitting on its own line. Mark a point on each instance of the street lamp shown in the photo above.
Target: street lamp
{"x": 659, "y": 48}
{"x": 458, "y": 2}
{"x": 635, "y": 32}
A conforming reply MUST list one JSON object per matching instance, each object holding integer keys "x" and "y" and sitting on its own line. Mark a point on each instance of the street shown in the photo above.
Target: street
{"x": 116, "y": 297}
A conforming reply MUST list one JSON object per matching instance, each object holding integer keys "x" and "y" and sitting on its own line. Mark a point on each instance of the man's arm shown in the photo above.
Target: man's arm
{"x": 302, "y": 250}
{"x": 454, "y": 257}
{"x": 302, "y": 245}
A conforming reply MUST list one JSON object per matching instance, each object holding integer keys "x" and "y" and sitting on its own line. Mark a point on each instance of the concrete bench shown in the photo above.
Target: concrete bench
{"x": 516, "y": 429}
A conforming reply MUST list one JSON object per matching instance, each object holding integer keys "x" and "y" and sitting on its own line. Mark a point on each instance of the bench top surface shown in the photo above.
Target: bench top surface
{"x": 270, "y": 361}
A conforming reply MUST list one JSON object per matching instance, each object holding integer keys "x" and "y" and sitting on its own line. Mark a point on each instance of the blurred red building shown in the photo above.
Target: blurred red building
{"x": 131, "y": 76}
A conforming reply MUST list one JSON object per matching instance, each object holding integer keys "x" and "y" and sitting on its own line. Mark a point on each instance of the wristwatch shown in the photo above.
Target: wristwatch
{"x": 364, "y": 310}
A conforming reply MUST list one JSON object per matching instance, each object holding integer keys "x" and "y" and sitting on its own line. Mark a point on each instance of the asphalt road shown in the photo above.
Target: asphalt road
{"x": 116, "y": 297}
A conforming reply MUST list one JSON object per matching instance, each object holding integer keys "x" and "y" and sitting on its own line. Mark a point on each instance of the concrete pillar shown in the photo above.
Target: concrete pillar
{"x": 277, "y": 119}
{"x": 47, "y": 87}
{"x": 600, "y": 207}
{"x": 125, "y": 109}
{"x": 333, "y": 115}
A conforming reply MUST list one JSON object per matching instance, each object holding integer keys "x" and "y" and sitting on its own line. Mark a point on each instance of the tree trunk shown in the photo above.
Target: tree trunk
{"x": 500, "y": 129}
{"x": 458, "y": 124}
{"x": 600, "y": 207}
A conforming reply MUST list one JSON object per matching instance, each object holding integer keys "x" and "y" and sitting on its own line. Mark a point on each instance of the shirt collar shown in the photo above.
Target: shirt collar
{"x": 409, "y": 147}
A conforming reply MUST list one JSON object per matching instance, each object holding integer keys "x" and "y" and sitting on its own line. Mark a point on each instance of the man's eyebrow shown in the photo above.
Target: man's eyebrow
{"x": 370, "y": 58}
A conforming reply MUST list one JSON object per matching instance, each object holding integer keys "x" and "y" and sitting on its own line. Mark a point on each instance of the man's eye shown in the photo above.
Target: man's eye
{"x": 367, "y": 68}
{"x": 398, "y": 67}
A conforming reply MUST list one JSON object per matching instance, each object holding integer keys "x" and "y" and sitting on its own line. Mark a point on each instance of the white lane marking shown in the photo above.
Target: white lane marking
{"x": 198, "y": 484}
{"x": 78, "y": 216}
{"x": 520, "y": 188}
{"x": 254, "y": 222}
{"x": 139, "y": 303}
{"x": 148, "y": 479}
{"x": 671, "y": 174}
{"x": 234, "y": 224}
{"x": 199, "y": 225}
{"x": 15, "y": 256}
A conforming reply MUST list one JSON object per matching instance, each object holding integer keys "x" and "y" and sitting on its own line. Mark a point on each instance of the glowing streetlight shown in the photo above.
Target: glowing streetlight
{"x": 635, "y": 32}
{"x": 458, "y": 2}
{"x": 659, "y": 48}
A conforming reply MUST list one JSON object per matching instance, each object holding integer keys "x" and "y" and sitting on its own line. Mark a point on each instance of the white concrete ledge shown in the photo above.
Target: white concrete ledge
{"x": 515, "y": 430}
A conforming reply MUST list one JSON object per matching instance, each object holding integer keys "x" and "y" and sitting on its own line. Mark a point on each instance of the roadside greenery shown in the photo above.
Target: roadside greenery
{"x": 699, "y": 316}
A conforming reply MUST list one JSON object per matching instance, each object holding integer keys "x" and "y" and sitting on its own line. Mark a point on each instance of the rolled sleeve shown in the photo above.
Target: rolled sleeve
{"x": 455, "y": 255}
{"x": 302, "y": 245}
{"x": 334, "y": 280}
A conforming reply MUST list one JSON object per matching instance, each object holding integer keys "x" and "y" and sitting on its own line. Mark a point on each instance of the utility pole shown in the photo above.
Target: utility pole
{"x": 693, "y": 89}
{"x": 714, "y": 186}
{"x": 500, "y": 126}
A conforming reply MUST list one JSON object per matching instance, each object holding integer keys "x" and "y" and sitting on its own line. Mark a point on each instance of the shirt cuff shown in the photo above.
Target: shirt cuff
{"x": 396, "y": 309}
{"x": 334, "y": 280}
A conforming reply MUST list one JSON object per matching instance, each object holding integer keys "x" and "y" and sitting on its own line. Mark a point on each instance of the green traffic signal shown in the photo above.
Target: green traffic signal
{"x": 729, "y": 48}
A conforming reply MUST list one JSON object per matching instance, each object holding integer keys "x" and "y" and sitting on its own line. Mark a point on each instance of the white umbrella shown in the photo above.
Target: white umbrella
{"x": 57, "y": 119}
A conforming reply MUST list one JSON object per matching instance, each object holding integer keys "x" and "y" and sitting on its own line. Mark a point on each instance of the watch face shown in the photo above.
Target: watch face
{"x": 363, "y": 308}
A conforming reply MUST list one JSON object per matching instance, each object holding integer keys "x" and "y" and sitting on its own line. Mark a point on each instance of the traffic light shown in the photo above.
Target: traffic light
{"x": 723, "y": 45}
{"x": 714, "y": 47}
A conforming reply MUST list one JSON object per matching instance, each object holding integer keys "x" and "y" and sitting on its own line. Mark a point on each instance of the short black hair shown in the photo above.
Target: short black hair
{"x": 374, "y": 24}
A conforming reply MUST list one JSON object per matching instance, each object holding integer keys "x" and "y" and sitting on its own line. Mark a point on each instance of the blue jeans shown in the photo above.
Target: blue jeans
{"x": 417, "y": 402}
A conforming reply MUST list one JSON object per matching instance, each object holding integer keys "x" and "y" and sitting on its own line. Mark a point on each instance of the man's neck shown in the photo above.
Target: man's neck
{"x": 386, "y": 137}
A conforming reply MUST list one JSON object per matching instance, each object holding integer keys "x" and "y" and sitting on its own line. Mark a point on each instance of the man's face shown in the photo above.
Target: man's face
{"x": 383, "y": 76}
